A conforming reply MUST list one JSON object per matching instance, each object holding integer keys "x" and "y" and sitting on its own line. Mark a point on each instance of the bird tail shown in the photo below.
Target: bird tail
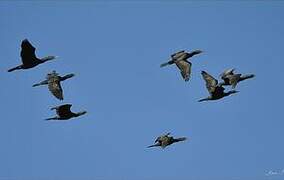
{"x": 48, "y": 119}
{"x": 204, "y": 99}
{"x": 15, "y": 68}
{"x": 180, "y": 139}
{"x": 248, "y": 76}
{"x": 53, "y": 118}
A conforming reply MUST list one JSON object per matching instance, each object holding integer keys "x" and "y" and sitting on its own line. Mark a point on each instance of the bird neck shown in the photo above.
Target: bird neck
{"x": 79, "y": 113}
{"x": 179, "y": 139}
{"x": 248, "y": 76}
{"x": 47, "y": 58}
{"x": 230, "y": 92}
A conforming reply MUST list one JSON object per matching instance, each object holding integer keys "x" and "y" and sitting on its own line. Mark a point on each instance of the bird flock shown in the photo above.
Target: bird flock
{"x": 180, "y": 59}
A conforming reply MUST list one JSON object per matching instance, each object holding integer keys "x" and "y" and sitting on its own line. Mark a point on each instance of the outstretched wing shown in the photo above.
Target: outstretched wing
{"x": 63, "y": 110}
{"x": 227, "y": 72}
{"x": 234, "y": 79}
{"x": 185, "y": 68}
{"x": 157, "y": 139}
{"x": 55, "y": 87}
{"x": 211, "y": 82}
{"x": 27, "y": 52}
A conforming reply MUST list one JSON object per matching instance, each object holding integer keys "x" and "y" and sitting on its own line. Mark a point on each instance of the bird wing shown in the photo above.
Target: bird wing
{"x": 55, "y": 87}
{"x": 227, "y": 72}
{"x": 177, "y": 54}
{"x": 158, "y": 139}
{"x": 27, "y": 52}
{"x": 63, "y": 110}
{"x": 211, "y": 82}
{"x": 185, "y": 68}
{"x": 234, "y": 79}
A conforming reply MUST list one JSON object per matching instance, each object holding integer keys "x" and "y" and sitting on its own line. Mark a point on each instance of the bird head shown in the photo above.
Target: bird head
{"x": 227, "y": 72}
{"x": 51, "y": 74}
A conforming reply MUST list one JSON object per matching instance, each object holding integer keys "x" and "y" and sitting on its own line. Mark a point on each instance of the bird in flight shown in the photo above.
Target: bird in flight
{"x": 231, "y": 79}
{"x": 180, "y": 59}
{"x": 53, "y": 80}
{"x": 64, "y": 113}
{"x": 166, "y": 140}
{"x": 215, "y": 90}
{"x": 29, "y": 58}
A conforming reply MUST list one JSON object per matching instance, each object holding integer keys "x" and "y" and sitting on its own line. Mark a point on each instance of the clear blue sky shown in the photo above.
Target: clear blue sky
{"x": 115, "y": 49}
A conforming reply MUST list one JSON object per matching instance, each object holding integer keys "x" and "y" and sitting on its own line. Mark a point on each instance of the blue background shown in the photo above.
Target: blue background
{"x": 115, "y": 49}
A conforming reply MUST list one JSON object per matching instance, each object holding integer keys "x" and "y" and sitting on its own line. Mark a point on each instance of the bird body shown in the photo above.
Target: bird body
{"x": 53, "y": 80}
{"x": 29, "y": 58}
{"x": 166, "y": 140}
{"x": 180, "y": 59}
{"x": 215, "y": 90}
{"x": 54, "y": 86}
{"x": 64, "y": 113}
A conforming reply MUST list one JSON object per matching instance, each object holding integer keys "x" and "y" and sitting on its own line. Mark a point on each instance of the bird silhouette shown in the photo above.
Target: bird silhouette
{"x": 64, "y": 113}
{"x": 29, "y": 58}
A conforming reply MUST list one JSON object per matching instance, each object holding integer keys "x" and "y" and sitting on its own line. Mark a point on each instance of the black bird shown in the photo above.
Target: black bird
{"x": 64, "y": 113}
{"x": 232, "y": 79}
{"x": 29, "y": 58}
{"x": 166, "y": 140}
{"x": 215, "y": 90}
{"x": 53, "y": 81}
{"x": 180, "y": 59}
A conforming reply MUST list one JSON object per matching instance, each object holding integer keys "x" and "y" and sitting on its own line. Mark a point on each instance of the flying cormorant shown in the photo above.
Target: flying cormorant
{"x": 232, "y": 79}
{"x": 53, "y": 81}
{"x": 29, "y": 58}
{"x": 64, "y": 113}
{"x": 215, "y": 90}
{"x": 181, "y": 60}
{"x": 166, "y": 140}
